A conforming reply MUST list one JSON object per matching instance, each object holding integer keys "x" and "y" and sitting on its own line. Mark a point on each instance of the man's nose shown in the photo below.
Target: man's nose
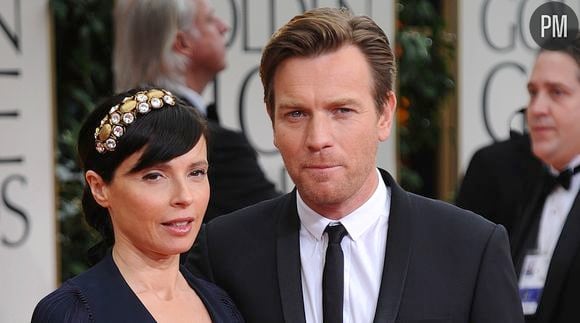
{"x": 319, "y": 132}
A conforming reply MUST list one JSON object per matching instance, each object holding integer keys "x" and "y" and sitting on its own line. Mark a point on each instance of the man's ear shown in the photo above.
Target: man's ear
{"x": 184, "y": 43}
{"x": 98, "y": 188}
{"x": 386, "y": 117}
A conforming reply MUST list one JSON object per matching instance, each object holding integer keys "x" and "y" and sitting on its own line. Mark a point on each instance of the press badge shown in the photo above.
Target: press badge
{"x": 532, "y": 279}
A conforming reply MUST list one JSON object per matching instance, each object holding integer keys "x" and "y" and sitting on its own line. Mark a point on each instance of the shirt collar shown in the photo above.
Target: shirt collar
{"x": 192, "y": 97}
{"x": 356, "y": 223}
{"x": 573, "y": 163}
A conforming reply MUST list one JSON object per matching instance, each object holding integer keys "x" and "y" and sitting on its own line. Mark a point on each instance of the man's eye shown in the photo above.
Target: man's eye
{"x": 295, "y": 114}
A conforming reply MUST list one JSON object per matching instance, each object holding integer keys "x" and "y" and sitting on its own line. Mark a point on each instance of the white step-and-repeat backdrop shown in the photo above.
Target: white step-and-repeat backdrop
{"x": 28, "y": 263}
{"x": 496, "y": 54}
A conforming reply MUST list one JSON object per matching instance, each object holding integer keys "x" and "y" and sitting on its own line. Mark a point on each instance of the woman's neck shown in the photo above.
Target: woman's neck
{"x": 148, "y": 273}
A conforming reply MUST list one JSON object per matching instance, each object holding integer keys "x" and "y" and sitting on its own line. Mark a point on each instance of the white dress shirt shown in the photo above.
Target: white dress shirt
{"x": 556, "y": 208}
{"x": 364, "y": 253}
{"x": 191, "y": 97}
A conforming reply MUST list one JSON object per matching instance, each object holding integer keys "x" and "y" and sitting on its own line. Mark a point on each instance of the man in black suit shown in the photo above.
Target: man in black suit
{"x": 546, "y": 235}
{"x": 499, "y": 179}
{"x": 180, "y": 45}
{"x": 348, "y": 244}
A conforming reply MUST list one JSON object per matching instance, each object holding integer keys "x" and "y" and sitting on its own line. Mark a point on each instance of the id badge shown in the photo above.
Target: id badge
{"x": 532, "y": 279}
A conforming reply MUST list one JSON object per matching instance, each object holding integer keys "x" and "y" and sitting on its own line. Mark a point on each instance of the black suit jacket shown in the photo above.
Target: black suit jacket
{"x": 504, "y": 184}
{"x": 559, "y": 300}
{"x": 442, "y": 264}
{"x": 558, "y": 303}
{"x": 499, "y": 179}
{"x": 236, "y": 179}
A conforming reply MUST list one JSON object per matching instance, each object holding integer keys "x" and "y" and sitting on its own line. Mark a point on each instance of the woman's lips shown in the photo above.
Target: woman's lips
{"x": 179, "y": 226}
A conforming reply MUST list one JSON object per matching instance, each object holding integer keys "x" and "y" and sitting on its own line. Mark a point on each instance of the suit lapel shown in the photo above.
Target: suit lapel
{"x": 399, "y": 243}
{"x": 288, "y": 260}
{"x": 564, "y": 254}
{"x": 529, "y": 213}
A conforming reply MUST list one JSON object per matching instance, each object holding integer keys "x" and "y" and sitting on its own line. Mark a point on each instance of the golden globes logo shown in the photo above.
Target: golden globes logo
{"x": 10, "y": 182}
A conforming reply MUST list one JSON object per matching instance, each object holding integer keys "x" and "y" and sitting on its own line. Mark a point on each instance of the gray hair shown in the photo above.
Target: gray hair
{"x": 145, "y": 31}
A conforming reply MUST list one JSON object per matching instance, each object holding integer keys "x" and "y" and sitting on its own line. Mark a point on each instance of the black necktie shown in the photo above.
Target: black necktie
{"x": 333, "y": 276}
{"x": 563, "y": 179}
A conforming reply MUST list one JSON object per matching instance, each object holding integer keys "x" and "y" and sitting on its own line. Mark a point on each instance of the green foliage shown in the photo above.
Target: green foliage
{"x": 83, "y": 44}
{"x": 423, "y": 53}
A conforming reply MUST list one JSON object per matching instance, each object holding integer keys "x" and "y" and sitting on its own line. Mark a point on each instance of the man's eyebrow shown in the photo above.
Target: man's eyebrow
{"x": 292, "y": 104}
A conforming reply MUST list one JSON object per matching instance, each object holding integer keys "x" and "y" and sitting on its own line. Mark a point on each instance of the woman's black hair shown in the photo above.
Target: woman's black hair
{"x": 164, "y": 134}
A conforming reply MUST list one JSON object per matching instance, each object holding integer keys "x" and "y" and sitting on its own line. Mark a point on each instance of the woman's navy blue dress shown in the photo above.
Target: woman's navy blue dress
{"x": 101, "y": 294}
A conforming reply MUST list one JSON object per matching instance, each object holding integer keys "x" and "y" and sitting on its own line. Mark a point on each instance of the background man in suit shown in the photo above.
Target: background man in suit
{"x": 348, "y": 244}
{"x": 499, "y": 178}
{"x": 546, "y": 237}
{"x": 180, "y": 45}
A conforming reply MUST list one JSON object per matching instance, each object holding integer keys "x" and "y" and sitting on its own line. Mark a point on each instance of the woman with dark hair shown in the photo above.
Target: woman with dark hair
{"x": 144, "y": 157}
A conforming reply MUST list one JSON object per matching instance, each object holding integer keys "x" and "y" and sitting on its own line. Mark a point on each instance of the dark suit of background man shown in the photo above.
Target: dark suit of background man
{"x": 511, "y": 183}
{"x": 499, "y": 179}
{"x": 328, "y": 86}
{"x": 179, "y": 45}
{"x": 546, "y": 238}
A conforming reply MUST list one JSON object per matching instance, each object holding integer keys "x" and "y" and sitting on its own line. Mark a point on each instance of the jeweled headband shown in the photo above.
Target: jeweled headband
{"x": 120, "y": 116}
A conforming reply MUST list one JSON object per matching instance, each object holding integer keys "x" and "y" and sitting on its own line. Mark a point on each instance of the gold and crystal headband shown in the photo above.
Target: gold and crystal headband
{"x": 120, "y": 116}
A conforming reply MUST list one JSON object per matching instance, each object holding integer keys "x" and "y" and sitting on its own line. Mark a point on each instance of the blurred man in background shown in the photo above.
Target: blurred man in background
{"x": 179, "y": 45}
{"x": 546, "y": 238}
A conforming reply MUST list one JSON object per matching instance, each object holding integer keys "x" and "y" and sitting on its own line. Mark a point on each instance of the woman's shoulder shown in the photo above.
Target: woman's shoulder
{"x": 217, "y": 301}
{"x": 66, "y": 304}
